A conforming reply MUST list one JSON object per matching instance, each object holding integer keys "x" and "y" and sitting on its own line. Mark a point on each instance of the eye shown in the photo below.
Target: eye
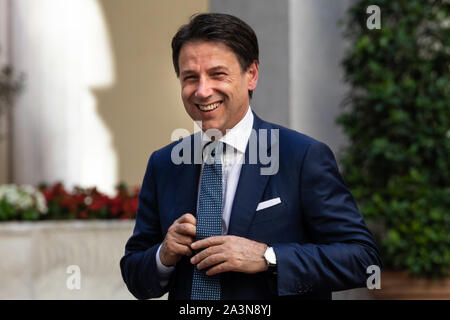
{"x": 218, "y": 74}
{"x": 190, "y": 77}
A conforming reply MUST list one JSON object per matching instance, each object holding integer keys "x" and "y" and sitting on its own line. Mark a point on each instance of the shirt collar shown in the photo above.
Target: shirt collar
{"x": 236, "y": 137}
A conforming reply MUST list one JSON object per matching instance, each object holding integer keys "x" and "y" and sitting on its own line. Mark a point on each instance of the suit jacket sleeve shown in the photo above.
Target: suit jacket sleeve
{"x": 138, "y": 265}
{"x": 341, "y": 248}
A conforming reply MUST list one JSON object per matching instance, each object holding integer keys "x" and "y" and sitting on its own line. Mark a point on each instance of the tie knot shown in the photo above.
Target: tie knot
{"x": 213, "y": 150}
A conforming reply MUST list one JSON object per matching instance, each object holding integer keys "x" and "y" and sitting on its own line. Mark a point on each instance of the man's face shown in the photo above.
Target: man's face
{"x": 214, "y": 89}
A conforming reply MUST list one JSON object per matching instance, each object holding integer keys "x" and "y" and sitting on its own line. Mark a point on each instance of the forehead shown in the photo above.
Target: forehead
{"x": 206, "y": 54}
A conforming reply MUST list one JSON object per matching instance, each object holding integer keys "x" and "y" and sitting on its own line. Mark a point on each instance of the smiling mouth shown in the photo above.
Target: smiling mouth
{"x": 208, "y": 107}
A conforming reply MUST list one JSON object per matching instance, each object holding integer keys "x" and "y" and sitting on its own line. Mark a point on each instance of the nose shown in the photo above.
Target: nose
{"x": 204, "y": 89}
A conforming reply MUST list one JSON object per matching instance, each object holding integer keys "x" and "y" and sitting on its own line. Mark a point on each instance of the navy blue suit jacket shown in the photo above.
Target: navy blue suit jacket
{"x": 319, "y": 237}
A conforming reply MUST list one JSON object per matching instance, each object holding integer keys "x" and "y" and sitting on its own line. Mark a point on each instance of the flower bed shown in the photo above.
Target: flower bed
{"x": 27, "y": 203}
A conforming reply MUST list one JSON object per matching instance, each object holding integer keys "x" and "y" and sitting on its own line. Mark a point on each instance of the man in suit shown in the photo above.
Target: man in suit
{"x": 291, "y": 231}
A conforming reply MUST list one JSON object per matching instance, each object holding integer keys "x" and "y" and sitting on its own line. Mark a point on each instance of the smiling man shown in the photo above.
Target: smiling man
{"x": 221, "y": 229}
{"x": 214, "y": 87}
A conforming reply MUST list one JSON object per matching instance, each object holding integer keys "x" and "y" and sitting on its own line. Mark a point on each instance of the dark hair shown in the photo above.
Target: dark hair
{"x": 224, "y": 28}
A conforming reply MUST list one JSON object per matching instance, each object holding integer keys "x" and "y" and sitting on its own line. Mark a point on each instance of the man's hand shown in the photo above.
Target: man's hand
{"x": 178, "y": 240}
{"x": 229, "y": 253}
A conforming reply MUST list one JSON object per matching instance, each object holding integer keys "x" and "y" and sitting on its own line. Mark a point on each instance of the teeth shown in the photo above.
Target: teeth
{"x": 208, "y": 107}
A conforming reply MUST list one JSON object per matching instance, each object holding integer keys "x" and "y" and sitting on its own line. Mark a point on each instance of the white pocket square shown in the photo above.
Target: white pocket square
{"x": 268, "y": 203}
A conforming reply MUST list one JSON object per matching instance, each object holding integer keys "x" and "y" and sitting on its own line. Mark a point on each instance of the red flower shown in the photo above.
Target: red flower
{"x": 134, "y": 202}
{"x": 83, "y": 214}
{"x": 116, "y": 205}
{"x": 69, "y": 202}
{"x": 99, "y": 202}
{"x": 90, "y": 203}
{"x": 48, "y": 194}
{"x": 79, "y": 199}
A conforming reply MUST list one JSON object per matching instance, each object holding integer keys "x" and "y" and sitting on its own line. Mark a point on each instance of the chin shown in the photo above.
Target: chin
{"x": 207, "y": 125}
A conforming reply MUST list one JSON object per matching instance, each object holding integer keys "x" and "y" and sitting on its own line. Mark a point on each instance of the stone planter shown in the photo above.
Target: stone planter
{"x": 398, "y": 285}
{"x": 35, "y": 256}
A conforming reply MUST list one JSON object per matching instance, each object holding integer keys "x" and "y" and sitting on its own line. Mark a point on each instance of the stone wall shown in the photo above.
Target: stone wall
{"x": 35, "y": 256}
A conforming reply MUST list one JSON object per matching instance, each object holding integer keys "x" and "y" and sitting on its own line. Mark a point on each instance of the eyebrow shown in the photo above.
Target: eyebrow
{"x": 217, "y": 68}
{"x": 213, "y": 69}
{"x": 186, "y": 72}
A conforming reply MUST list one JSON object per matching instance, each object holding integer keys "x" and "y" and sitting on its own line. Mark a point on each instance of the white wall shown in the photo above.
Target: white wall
{"x": 63, "y": 47}
{"x": 301, "y": 46}
{"x": 101, "y": 94}
{"x": 270, "y": 21}
{"x": 316, "y": 78}
{"x": 4, "y": 28}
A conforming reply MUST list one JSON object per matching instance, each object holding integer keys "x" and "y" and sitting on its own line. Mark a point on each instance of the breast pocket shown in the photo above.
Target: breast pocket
{"x": 270, "y": 213}
{"x": 271, "y": 225}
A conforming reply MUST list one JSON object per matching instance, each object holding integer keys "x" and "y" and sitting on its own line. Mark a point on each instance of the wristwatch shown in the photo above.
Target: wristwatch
{"x": 271, "y": 260}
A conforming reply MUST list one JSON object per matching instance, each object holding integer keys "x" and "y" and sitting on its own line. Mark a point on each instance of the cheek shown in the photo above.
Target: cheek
{"x": 186, "y": 93}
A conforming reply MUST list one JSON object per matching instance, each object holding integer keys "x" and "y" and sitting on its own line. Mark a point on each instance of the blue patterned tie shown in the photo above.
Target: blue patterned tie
{"x": 209, "y": 220}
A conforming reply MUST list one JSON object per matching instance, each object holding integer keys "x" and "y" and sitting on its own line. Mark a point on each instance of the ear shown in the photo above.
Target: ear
{"x": 252, "y": 75}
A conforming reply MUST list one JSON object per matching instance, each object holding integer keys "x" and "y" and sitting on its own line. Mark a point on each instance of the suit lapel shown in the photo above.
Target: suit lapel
{"x": 187, "y": 179}
{"x": 250, "y": 188}
{"x": 248, "y": 194}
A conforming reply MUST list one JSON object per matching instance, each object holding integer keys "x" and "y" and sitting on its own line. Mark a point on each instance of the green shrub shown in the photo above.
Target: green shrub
{"x": 397, "y": 119}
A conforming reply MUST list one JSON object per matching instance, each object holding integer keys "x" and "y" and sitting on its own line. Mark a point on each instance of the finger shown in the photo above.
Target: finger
{"x": 186, "y": 229}
{"x": 211, "y": 260}
{"x": 187, "y": 218}
{"x": 219, "y": 268}
{"x": 179, "y": 249}
{"x": 208, "y": 242}
{"x": 183, "y": 239}
{"x": 206, "y": 253}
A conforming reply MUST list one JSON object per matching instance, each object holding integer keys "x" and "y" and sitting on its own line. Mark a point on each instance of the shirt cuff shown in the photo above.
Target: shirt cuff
{"x": 164, "y": 272}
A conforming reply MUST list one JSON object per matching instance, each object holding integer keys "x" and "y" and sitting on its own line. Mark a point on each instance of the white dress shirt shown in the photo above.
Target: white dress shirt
{"x": 235, "y": 141}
